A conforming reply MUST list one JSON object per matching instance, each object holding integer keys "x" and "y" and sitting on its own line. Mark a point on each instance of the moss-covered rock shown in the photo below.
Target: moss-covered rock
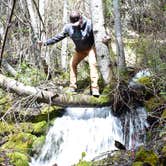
{"x": 146, "y": 156}
{"x": 37, "y": 145}
{"x": 48, "y": 113}
{"x": 5, "y": 103}
{"x": 20, "y": 142}
{"x": 18, "y": 159}
{"x": 40, "y": 127}
{"x": 26, "y": 127}
{"x": 6, "y": 128}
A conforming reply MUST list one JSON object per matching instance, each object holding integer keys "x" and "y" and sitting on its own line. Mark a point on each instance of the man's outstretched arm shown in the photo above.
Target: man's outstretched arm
{"x": 58, "y": 37}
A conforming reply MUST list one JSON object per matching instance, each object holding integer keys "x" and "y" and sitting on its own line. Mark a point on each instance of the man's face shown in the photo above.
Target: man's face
{"x": 77, "y": 22}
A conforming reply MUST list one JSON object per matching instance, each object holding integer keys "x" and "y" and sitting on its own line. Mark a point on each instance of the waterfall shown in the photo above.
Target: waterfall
{"x": 89, "y": 130}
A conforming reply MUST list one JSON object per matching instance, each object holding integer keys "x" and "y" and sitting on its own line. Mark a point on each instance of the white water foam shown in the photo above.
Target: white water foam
{"x": 89, "y": 130}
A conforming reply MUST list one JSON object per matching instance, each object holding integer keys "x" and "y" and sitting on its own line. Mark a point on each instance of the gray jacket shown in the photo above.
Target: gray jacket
{"x": 82, "y": 36}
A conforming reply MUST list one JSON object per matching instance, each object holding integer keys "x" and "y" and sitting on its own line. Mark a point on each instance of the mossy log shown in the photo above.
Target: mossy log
{"x": 50, "y": 97}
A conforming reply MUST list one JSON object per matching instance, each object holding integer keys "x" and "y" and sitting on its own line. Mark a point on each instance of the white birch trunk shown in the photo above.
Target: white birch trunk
{"x": 33, "y": 17}
{"x": 118, "y": 34}
{"x": 34, "y": 55}
{"x": 64, "y": 41}
{"x": 8, "y": 68}
{"x": 45, "y": 56}
{"x": 103, "y": 55}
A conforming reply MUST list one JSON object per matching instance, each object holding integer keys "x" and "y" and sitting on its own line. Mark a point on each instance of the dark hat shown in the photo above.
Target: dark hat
{"x": 74, "y": 16}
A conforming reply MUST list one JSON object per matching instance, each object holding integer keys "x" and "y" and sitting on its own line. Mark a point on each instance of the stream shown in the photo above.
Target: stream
{"x": 92, "y": 131}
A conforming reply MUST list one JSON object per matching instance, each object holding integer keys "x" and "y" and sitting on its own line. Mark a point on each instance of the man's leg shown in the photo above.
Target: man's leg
{"x": 93, "y": 72}
{"x": 75, "y": 60}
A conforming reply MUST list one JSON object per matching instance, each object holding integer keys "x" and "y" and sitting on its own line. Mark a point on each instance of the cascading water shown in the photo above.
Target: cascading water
{"x": 89, "y": 130}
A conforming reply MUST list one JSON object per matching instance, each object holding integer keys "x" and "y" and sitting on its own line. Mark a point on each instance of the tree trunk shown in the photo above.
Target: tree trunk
{"x": 45, "y": 56}
{"x": 34, "y": 22}
{"x": 49, "y": 96}
{"x": 8, "y": 68}
{"x": 118, "y": 34}
{"x": 7, "y": 28}
{"x": 33, "y": 18}
{"x": 103, "y": 55}
{"x": 64, "y": 42}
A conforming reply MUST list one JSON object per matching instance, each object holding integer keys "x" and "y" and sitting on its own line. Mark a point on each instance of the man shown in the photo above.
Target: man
{"x": 80, "y": 31}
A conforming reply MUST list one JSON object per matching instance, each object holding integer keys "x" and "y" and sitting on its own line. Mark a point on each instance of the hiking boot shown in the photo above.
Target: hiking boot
{"x": 95, "y": 92}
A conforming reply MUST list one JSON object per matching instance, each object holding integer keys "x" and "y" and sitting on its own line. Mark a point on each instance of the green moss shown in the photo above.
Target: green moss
{"x": 94, "y": 100}
{"x": 37, "y": 144}
{"x": 1, "y": 160}
{"x": 40, "y": 127}
{"x": 163, "y": 151}
{"x": 48, "y": 112}
{"x": 18, "y": 159}
{"x": 139, "y": 163}
{"x": 26, "y": 127}
{"x": 29, "y": 75}
{"x": 5, "y": 103}
{"x": 107, "y": 90}
{"x": 21, "y": 142}
{"x": 163, "y": 116}
{"x": 49, "y": 109}
{"x": 163, "y": 95}
{"x": 153, "y": 103}
{"x": 104, "y": 99}
{"x": 6, "y": 128}
{"x": 82, "y": 162}
{"x": 147, "y": 156}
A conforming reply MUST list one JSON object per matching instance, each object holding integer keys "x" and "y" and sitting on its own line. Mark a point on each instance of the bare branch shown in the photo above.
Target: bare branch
{"x": 7, "y": 29}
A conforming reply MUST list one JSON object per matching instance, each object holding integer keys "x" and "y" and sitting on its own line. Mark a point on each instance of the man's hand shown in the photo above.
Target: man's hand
{"x": 40, "y": 43}
{"x": 106, "y": 39}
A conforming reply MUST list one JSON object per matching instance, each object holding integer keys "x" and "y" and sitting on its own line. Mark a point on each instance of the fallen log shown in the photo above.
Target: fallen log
{"x": 50, "y": 97}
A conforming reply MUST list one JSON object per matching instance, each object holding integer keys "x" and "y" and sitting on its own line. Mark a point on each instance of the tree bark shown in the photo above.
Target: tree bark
{"x": 64, "y": 42}
{"x": 103, "y": 55}
{"x": 49, "y": 97}
{"x": 8, "y": 68}
{"x": 7, "y": 28}
{"x": 33, "y": 18}
{"x": 118, "y": 34}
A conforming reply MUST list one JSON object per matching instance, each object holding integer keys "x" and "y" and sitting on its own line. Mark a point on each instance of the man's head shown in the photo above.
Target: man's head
{"x": 75, "y": 18}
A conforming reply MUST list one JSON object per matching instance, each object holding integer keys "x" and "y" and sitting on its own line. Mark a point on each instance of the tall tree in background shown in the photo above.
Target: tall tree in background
{"x": 64, "y": 42}
{"x": 7, "y": 29}
{"x": 34, "y": 23}
{"x": 103, "y": 56}
{"x": 37, "y": 12}
{"x": 3, "y": 62}
{"x": 118, "y": 36}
